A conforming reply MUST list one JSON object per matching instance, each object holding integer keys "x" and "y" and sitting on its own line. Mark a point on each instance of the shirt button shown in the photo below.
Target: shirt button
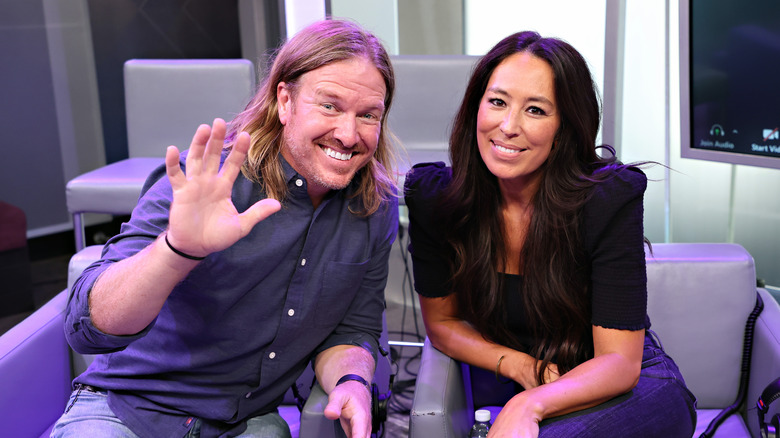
{"x": 272, "y": 355}
{"x": 298, "y": 182}
{"x": 248, "y": 394}
{"x": 291, "y": 312}
{"x": 303, "y": 262}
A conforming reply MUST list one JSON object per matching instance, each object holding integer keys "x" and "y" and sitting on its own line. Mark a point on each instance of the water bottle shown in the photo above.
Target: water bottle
{"x": 481, "y": 424}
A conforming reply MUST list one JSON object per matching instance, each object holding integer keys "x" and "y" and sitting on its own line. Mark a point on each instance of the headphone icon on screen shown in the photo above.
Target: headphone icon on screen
{"x": 717, "y": 130}
{"x": 770, "y": 394}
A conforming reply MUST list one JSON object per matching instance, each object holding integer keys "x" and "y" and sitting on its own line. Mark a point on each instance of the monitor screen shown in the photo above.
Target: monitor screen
{"x": 730, "y": 81}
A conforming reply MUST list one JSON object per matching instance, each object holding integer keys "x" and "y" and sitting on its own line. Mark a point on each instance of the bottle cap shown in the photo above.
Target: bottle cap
{"x": 482, "y": 415}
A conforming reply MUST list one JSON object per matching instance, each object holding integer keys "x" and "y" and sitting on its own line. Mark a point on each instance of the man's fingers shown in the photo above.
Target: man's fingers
{"x": 333, "y": 412}
{"x": 198, "y": 145}
{"x": 216, "y": 142}
{"x": 333, "y": 409}
{"x": 359, "y": 427}
{"x": 348, "y": 430}
{"x": 258, "y": 212}
{"x": 172, "y": 167}
{"x": 342, "y": 407}
{"x": 236, "y": 157}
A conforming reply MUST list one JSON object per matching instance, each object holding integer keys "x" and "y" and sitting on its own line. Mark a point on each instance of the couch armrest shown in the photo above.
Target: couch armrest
{"x": 81, "y": 260}
{"x": 35, "y": 371}
{"x": 440, "y": 406}
{"x": 765, "y": 360}
{"x": 313, "y": 421}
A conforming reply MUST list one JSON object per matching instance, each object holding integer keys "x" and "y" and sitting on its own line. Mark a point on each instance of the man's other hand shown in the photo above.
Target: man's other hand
{"x": 350, "y": 402}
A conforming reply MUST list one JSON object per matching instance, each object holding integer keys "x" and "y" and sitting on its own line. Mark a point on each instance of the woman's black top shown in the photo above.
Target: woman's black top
{"x": 612, "y": 234}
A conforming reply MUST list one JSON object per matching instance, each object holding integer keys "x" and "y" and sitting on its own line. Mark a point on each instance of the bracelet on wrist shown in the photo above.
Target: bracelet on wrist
{"x": 183, "y": 254}
{"x": 498, "y": 373}
{"x": 355, "y": 377}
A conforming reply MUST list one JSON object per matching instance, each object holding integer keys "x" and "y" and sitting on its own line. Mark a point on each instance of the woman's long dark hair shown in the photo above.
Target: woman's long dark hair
{"x": 555, "y": 279}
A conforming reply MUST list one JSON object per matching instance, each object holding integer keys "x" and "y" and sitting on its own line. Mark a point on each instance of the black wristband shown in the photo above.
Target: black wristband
{"x": 355, "y": 377}
{"x": 185, "y": 255}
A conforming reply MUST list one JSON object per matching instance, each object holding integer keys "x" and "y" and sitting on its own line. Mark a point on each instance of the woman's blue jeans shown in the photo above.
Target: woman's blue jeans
{"x": 659, "y": 406}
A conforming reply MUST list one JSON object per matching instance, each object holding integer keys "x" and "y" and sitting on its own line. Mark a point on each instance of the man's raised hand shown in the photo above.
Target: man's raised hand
{"x": 203, "y": 218}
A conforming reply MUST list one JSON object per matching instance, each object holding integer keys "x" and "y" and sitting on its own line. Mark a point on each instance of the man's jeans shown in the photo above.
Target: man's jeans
{"x": 88, "y": 414}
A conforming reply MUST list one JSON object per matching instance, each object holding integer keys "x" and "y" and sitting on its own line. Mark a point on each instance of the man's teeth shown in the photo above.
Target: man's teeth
{"x": 507, "y": 150}
{"x": 337, "y": 155}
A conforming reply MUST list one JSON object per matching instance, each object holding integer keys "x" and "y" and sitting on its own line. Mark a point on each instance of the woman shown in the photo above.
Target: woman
{"x": 528, "y": 254}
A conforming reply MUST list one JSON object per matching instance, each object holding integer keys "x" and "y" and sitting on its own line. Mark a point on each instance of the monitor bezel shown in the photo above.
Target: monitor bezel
{"x": 686, "y": 148}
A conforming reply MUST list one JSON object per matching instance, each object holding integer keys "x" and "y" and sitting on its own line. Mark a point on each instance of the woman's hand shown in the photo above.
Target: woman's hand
{"x": 461, "y": 341}
{"x": 520, "y": 418}
{"x": 520, "y": 368}
{"x": 203, "y": 218}
{"x": 550, "y": 374}
{"x": 613, "y": 371}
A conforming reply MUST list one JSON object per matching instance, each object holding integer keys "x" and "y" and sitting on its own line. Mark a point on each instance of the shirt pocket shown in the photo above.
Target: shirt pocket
{"x": 340, "y": 283}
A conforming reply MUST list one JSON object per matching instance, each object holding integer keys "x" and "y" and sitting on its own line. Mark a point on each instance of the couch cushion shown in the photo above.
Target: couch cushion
{"x": 699, "y": 299}
{"x": 732, "y": 427}
{"x": 113, "y": 189}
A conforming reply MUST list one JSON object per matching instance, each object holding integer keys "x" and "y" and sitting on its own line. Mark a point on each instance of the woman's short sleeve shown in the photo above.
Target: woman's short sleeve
{"x": 614, "y": 240}
{"x": 422, "y": 190}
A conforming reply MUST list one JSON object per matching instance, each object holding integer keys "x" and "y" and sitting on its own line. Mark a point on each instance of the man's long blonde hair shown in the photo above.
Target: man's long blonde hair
{"x": 317, "y": 45}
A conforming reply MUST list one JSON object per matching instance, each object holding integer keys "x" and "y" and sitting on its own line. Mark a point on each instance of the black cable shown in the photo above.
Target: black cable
{"x": 400, "y": 401}
{"x": 299, "y": 401}
{"x": 745, "y": 371}
{"x": 408, "y": 283}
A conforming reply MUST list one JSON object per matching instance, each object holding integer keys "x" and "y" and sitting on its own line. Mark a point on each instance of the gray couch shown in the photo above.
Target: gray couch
{"x": 699, "y": 299}
{"x": 165, "y": 101}
{"x": 37, "y": 367}
{"x": 428, "y": 92}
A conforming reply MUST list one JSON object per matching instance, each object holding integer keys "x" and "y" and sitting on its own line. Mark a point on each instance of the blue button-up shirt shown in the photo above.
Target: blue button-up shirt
{"x": 235, "y": 334}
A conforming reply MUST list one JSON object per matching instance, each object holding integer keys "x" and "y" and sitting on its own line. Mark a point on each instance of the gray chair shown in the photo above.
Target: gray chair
{"x": 165, "y": 101}
{"x": 699, "y": 299}
{"x": 428, "y": 92}
{"x": 37, "y": 367}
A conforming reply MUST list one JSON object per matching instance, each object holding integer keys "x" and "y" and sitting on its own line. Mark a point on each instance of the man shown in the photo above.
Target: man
{"x": 215, "y": 295}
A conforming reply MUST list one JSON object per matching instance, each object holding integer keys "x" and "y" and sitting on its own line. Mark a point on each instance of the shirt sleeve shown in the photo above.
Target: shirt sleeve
{"x": 614, "y": 240}
{"x": 427, "y": 246}
{"x": 148, "y": 220}
{"x": 362, "y": 323}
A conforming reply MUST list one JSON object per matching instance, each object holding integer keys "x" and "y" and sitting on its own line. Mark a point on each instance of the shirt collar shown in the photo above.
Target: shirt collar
{"x": 290, "y": 174}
